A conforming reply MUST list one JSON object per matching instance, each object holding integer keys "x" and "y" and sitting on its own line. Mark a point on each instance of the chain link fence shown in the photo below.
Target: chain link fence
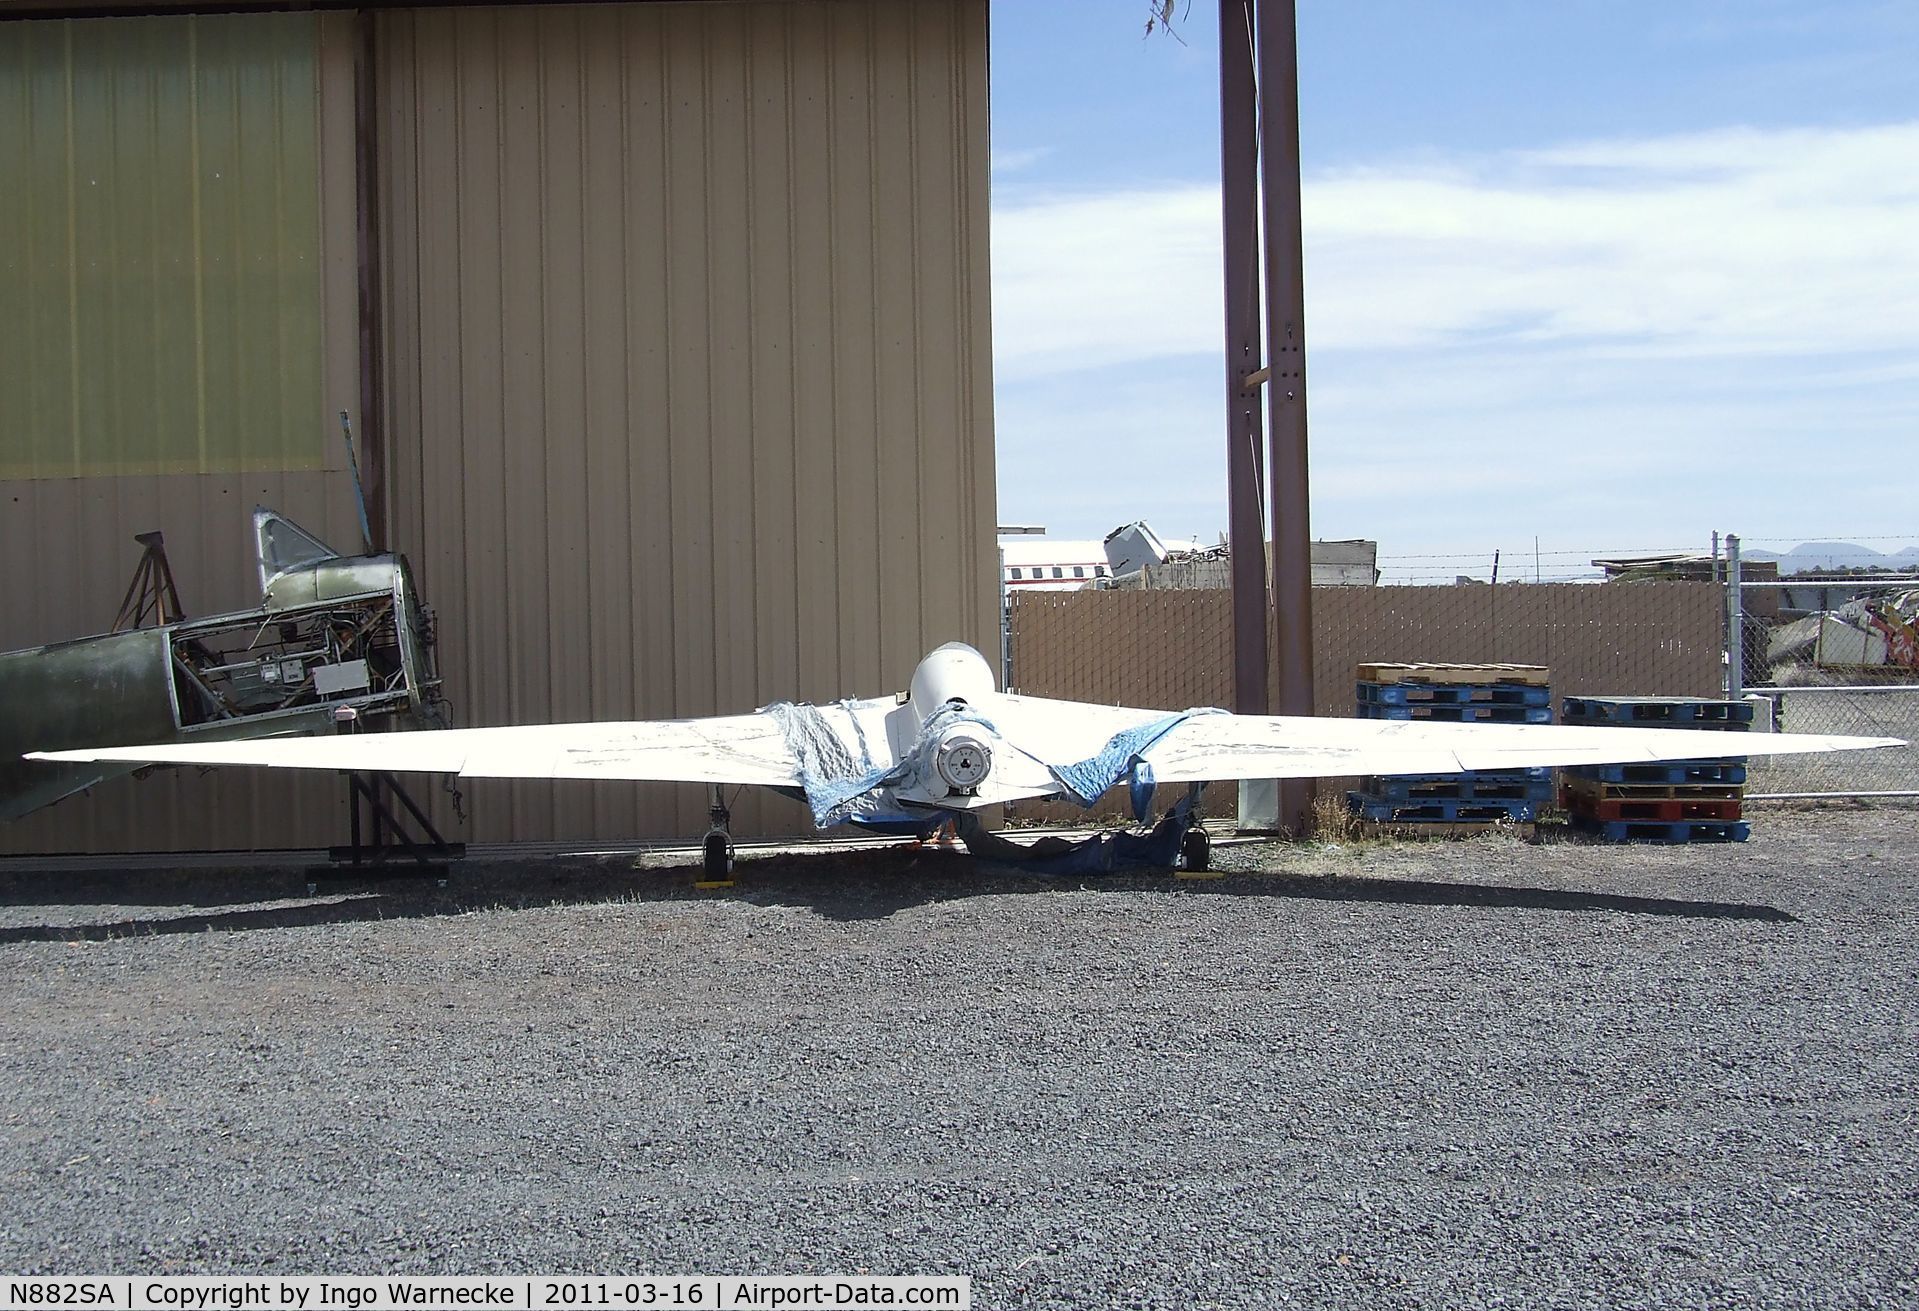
{"x": 1878, "y": 710}
{"x": 1832, "y": 654}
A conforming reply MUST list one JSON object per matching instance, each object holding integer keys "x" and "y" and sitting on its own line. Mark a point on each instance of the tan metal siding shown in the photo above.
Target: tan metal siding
{"x": 68, "y": 540}
{"x": 696, "y": 409}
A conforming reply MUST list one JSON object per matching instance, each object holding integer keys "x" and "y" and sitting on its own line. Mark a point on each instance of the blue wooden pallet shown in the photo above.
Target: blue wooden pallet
{"x": 1716, "y": 772}
{"x": 1439, "y": 810}
{"x": 1451, "y": 694}
{"x": 1534, "y": 785}
{"x": 1659, "y": 712}
{"x": 1665, "y": 831}
{"x": 1466, "y": 714}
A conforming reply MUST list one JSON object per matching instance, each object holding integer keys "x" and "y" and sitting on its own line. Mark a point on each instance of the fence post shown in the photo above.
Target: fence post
{"x": 1735, "y": 624}
{"x": 1005, "y": 626}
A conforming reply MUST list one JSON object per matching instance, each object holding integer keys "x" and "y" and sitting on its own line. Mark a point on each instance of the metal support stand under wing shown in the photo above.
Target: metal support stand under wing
{"x": 380, "y": 843}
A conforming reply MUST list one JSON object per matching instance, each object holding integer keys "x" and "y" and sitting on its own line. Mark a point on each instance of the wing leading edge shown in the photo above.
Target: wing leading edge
{"x": 1216, "y": 747}
{"x": 729, "y": 749}
{"x": 1044, "y": 734}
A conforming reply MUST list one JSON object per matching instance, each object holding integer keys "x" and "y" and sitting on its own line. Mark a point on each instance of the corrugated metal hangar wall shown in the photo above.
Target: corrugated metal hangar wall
{"x": 177, "y": 293}
{"x": 684, "y": 384}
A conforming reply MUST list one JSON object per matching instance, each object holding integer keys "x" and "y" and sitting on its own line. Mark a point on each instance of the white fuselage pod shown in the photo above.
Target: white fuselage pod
{"x": 954, "y": 672}
{"x": 954, "y": 767}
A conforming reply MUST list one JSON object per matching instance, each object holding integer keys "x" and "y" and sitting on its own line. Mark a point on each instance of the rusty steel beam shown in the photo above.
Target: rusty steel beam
{"x": 1239, "y": 208}
{"x": 1277, "y": 39}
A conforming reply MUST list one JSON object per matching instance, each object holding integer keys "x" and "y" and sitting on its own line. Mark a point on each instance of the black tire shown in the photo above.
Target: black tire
{"x": 1195, "y": 849}
{"x": 716, "y": 857}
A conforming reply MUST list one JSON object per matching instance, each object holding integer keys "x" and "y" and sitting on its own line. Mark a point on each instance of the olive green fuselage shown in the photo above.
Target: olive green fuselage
{"x": 270, "y": 671}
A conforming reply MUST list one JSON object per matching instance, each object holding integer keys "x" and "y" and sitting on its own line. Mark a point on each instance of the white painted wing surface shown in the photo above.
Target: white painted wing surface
{"x": 1061, "y": 732}
{"x": 1045, "y": 733}
{"x": 1275, "y": 746}
{"x": 751, "y": 749}
{"x": 727, "y": 749}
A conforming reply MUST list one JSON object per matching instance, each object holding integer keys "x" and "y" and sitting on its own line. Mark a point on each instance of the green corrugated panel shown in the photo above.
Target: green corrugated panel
{"x": 159, "y": 246}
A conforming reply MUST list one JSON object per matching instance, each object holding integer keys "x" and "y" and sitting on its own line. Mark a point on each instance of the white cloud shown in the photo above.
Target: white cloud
{"x": 1736, "y": 242}
{"x": 1449, "y": 447}
{"x": 1015, "y": 161}
{"x": 1083, "y": 282}
{"x": 1613, "y": 344}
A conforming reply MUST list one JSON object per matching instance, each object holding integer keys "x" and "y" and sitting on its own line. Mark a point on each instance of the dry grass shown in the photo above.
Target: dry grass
{"x": 1333, "y": 821}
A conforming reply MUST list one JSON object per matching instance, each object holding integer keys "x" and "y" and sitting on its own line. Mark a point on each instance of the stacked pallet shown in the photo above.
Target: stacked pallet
{"x": 1671, "y": 801}
{"x": 1449, "y": 804}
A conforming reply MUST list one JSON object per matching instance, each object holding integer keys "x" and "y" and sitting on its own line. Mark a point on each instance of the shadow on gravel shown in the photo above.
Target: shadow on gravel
{"x": 878, "y": 900}
{"x": 846, "y": 887}
{"x": 1419, "y": 892}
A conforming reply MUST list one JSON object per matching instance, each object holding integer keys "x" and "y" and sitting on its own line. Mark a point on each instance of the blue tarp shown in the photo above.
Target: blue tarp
{"x": 1086, "y": 781}
{"x": 839, "y": 787}
{"x": 834, "y": 782}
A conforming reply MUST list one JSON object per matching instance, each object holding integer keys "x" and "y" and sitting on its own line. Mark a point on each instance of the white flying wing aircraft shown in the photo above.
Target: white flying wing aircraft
{"x": 954, "y": 743}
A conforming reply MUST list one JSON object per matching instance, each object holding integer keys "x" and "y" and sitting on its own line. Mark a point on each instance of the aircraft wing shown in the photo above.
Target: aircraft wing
{"x": 1207, "y": 747}
{"x": 1050, "y": 739}
{"x": 1059, "y": 732}
{"x": 729, "y": 749}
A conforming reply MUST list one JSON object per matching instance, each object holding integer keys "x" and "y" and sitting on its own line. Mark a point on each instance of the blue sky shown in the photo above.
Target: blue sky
{"x": 1611, "y": 275}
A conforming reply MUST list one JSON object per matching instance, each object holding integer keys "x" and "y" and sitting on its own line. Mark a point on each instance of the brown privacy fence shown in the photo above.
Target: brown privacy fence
{"x": 1173, "y": 649}
{"x": 1169, "y": 650}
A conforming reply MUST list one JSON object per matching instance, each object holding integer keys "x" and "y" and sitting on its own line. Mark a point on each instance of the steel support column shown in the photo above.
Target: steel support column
{"x": 1239, "y": 206}
{"x": 371, "y": 429}
{"x": 1277, "y": 40}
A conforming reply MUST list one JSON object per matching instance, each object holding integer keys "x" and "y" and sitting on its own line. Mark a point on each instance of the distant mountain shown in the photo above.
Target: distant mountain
{"x": 1809, "y": 557}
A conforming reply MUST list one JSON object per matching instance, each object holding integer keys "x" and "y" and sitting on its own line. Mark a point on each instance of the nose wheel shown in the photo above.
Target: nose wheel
{"x": 716, "y": 848}
{"x": 1196, "y": 855}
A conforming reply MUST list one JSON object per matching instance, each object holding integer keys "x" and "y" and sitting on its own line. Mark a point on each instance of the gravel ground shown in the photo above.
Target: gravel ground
{"x": 1455, "y": 1075}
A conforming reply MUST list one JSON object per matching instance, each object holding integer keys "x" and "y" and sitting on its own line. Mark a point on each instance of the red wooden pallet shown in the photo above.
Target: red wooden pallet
{"x": 1664, "y": 810}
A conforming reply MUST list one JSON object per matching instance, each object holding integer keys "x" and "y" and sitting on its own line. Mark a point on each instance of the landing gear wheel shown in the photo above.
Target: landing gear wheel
{"x": 716, "y": 860}
{"x": 1195, "y": 850}
{"x": 716, "y": 848}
